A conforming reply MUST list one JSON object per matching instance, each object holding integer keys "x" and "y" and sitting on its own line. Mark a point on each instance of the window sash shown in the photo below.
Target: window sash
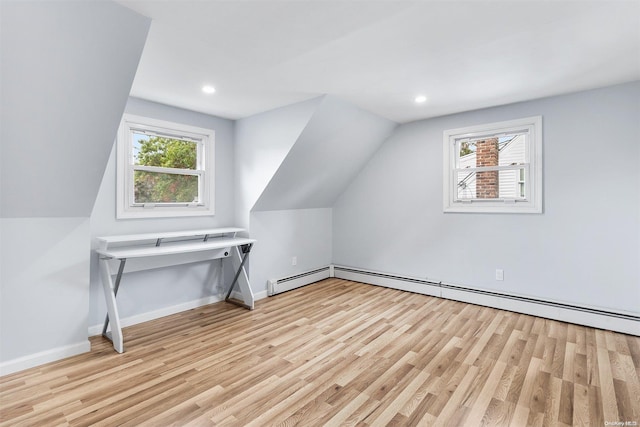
{"x": 200, "y": 147}
{"x": 164, "y": 133}
{"x": 171, "y": 171}
{"x": 527, "y": 183}
{"x": 199, "y": 171}
{"x": 175, "y": 171}
{"x": 493, "y": 168}
{"x": 457, "y": 144}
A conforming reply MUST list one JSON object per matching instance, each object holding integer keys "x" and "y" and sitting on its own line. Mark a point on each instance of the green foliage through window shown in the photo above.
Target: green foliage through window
{"x": 160, "y": 187}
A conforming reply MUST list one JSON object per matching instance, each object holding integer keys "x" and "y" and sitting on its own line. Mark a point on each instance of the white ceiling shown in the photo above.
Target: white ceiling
{"x": 379, "y": 55}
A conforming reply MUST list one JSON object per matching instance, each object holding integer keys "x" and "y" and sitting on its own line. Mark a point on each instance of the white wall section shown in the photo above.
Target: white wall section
{"x": 261, "y": 144}
{"x": 336, "y": 143}
{"x": 282, "y": 235}
{"x": 292, "y": 164}
{"x": 583, "y": 249}
{"x": 45, "y": 292}
{"x": 67, "y": 68}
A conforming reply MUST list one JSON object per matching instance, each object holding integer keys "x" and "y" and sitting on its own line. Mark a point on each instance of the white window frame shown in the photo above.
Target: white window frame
{"x": 533, "y": 167}
{"x": 205, "y": 138}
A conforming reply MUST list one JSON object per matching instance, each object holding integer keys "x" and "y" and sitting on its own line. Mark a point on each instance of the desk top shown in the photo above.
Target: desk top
{"x": 174, "y": 247}
{"x": 167, "y": 235}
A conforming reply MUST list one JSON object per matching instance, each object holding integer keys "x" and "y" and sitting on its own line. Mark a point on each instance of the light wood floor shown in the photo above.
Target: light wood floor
{"x": 339, "y": 353}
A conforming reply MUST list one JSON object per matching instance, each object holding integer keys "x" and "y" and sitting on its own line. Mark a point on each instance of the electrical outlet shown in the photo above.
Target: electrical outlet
{"x": 294, "y": 260}
{"x": 499, "y": 274}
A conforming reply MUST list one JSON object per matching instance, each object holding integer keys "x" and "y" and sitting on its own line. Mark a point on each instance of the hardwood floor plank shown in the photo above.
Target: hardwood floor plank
{"x": 625, "y": 407}
{"x": 483, "y": 340}
{"x": 566, "y": 403}
{"x": 607, "y": 390}
{"x": 338, "y": 353}
{"x": 406, "y": 394}
{"x": 455, "y": 401}
{"x": 539, "y": 391}
{"x": 596, "y": 414}
{"x": 552, "y": 402}
{"x": 580, "y": 415}
{"x": 479, "y": 407}
{"x": 580, "y": 375}
{"x": 499, "y": 413}
{"x": 569, "y": 358}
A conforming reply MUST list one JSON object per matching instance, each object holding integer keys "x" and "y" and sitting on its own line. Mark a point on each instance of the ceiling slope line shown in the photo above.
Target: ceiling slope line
{"x": 333, "y": 147}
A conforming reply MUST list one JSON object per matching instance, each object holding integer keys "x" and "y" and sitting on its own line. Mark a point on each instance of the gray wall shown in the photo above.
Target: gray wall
{"x": 67, "y": 69}
{"x": 159, "y": 288}
{"x": 583, "y": 249}
{"x": 45, "y": 286}
{"x": 335, "y": 144}
{"x": 292, "y": 164}
{"x": 281, "y": 235}
{"x": 261, "y": 144}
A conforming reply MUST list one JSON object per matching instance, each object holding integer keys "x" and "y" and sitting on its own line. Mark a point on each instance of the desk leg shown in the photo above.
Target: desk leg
{"x": 241, "y": 278}
{"x": 110, "y": 298}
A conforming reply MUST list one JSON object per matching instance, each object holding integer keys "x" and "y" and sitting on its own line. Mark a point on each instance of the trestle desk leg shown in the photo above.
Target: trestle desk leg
{"x": 244, "y": 281}
{"x": 110, "y": 291}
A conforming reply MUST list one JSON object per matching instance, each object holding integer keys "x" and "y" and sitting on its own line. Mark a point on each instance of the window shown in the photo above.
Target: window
{"x": 494, "y": 168}
{"x": 164, "y": 169}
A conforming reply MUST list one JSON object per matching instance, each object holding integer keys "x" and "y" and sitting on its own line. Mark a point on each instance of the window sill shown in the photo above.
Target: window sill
{"x": 493, "y": 208}
{"x": 162, "y": 212}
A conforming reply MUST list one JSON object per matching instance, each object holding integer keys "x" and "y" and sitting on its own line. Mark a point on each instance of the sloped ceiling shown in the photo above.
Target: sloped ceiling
{"x": 67, "y": 69}
{"x": 336, "y": 143}
{"x": 262, "y": 142}
{"x": 378, "y": 55}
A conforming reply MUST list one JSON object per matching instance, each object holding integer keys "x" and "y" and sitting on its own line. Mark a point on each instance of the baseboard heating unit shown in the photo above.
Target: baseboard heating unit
{"x": 277, "y": 286}
{"x": 625, "y": 322}
{"x": 596, "y": 317}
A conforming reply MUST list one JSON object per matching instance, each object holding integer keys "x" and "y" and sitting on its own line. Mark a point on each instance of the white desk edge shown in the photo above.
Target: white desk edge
{"x": 174, "y": 247}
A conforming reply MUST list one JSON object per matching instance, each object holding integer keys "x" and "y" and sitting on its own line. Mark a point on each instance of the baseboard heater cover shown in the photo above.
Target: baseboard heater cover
{"x": 277, "y": 286}
{"x": 624, "y": 322}
{"x": 403, "y": 283}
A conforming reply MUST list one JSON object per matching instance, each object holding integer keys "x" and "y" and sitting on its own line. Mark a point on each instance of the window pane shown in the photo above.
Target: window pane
{"x": 494, "y": 151}
{"x": 152, "y": 187}
{"x": 505, "y": 184}
{"x": 511, "y": 184}
{"x": 478, "y": 185}
{"x": 165, "y": 152}
{"x": 466, "y": 185}
{"x": 512, "y": 149}
{"x": 467, "y": 148}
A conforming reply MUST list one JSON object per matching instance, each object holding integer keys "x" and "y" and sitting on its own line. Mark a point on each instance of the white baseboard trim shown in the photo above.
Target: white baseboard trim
{"x": 156, "y": 314}
{"x": 627, "y": 323}
{"x": 260, "y": 295}
{"x": 402, "y": 283}
{"x": 256, "y": 296}
{"x": 277, "y": 286}
{"x": 55, "y": 354}
{"x": 37, "y": 359}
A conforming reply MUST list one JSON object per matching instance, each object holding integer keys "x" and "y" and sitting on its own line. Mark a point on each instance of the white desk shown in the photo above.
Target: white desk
{"x": 218, "y": 243}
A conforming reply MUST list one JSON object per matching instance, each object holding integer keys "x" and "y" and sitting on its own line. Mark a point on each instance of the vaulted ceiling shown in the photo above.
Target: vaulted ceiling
{"x": 379, "y": 55}
{"x": 67, "y": 69}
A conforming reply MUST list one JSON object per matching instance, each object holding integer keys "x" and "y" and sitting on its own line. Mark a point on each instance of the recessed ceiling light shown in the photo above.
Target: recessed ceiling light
{"x": 208, "y": 89}
{"x": 420, "y": 99}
